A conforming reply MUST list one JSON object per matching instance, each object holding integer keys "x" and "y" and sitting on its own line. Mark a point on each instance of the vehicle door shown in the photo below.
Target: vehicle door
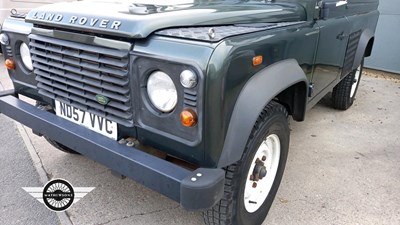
{"x": 332, "y": 44}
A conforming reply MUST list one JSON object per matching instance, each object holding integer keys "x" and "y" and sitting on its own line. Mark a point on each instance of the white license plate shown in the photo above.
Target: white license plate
{"x": 89, "y": 120}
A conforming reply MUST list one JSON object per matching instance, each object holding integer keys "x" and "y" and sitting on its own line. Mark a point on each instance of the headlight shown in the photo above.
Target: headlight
{"x": 162, "y": 91}
{"x": 26, "y": 56}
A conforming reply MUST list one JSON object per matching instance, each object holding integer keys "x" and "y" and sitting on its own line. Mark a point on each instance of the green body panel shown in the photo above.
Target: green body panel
{"x": 231, "y": 67}
{"x": 328, "y": 60}
{"x": 320, "y": 47}
{"x": 151, "y": 130}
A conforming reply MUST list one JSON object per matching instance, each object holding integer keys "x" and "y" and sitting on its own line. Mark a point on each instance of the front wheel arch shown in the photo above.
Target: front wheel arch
{"x": 261, "y": 88}
{"x": 293, "y": 98}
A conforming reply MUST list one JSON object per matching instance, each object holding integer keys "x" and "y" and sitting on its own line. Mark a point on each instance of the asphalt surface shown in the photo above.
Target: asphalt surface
{"x": 17, "y": 171}
{"x": 343, "y": 168}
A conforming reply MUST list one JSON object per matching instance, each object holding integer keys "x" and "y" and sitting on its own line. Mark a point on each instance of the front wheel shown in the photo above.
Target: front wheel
{"x": 59, "y": 146}
{"x": 251, "y": 184}
{"x": 345, "y": 92}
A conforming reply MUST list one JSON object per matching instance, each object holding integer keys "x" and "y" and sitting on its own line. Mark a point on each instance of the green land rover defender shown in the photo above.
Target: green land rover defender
{"x": 190, "y": 98}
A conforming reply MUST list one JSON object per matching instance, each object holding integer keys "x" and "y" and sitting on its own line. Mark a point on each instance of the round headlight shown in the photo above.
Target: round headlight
{"x": 188, "y": 79}
{"x": 26, "y": 56}
{"x": 162, "y": 91}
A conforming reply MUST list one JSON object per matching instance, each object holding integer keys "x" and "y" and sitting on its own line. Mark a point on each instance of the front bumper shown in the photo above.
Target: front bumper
{"x": 162, "y": 176}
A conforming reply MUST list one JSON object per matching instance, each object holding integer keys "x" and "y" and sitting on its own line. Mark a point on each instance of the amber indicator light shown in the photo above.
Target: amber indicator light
{"x": 257, "y": 60}
{"x": 10, "y": 65}
{"x": 188, "y": 118}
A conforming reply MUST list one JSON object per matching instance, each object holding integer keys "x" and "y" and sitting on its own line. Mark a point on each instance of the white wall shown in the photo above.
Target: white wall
{"x": 386, "y": 52}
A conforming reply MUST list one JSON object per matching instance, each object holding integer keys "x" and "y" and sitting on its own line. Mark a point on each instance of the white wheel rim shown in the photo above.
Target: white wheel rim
{"x": 355, "y": 82}
{"x": 254, "y": 197}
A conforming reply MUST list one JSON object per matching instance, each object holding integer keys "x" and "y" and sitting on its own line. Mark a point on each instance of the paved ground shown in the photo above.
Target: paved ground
{"x": 18, "y": 168}
{"x": 17, "y": 171}
{"x": 343, "y": 168}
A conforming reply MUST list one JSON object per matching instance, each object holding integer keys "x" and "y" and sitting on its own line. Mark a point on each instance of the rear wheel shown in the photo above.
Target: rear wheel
{"x": 251, "y": 184}
{"x": 345, "y": 92}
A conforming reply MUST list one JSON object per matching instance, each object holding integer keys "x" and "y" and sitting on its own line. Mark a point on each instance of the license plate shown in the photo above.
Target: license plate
{"x": 89, "y": 120}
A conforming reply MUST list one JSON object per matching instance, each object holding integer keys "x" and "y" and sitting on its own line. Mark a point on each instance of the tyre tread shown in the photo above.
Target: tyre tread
{"x": 341, "y": 93}
{"x": 341, "y": 98}
{"x": 222, "y": 212}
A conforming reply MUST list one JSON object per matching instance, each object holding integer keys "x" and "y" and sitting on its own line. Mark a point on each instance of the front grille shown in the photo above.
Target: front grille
{"x": 74, "y": 73}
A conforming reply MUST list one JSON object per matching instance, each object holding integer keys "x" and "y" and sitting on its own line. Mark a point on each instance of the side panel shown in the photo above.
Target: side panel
{"x": 357, "y": 21}
{"x": 334, "y": 33}
{"x": 230, "y": 68}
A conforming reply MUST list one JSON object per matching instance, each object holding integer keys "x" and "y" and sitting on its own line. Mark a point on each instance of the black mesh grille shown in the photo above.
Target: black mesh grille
{"x": 351, "y": 51}
{"x": 75, "y": 73}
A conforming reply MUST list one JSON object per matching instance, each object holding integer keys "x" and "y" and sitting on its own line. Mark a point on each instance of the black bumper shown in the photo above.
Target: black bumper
{"x": 164, "y": 177}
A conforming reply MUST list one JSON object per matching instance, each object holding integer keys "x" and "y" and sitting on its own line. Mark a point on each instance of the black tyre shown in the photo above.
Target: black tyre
{"x": 60, "y": 147}
{"x": 344, "y": 93}
{"x": 251, "y": 184}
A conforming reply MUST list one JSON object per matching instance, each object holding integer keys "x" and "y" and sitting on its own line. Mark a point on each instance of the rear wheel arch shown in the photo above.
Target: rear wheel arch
{"x": 364, "y": 48}
{"x": 370, "y": 45}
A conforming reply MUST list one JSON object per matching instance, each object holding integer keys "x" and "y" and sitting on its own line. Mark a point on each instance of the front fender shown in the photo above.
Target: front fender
{"x": 255, "y": 95}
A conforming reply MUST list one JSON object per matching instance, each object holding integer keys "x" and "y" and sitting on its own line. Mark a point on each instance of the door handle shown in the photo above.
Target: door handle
{"x": 340, "y": 3}
{"x": 341, "y": 36}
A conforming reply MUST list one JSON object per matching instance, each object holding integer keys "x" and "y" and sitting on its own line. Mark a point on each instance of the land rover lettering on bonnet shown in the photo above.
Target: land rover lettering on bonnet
{"x": 190, "y": 98}
{"x": 89, "y": 21}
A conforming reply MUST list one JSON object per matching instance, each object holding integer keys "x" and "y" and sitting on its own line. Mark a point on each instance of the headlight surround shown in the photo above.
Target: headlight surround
{"x": 26, "y": 56}
{"x": 162, "y": 91}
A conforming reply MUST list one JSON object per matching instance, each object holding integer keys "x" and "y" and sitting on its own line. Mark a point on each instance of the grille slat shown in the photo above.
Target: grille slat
{"x": 71, "y": 70}
{"x": 73, "y": 78}
{"x": 54, "y": 60}
{"x": 80, "y": 106}
{"x": 102, "y": 111}
{"x": 75, "y": 73}
{"x": 79, "y": 46}
{"x": 41, "y": 50}
{"x": 76, "y": 91}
